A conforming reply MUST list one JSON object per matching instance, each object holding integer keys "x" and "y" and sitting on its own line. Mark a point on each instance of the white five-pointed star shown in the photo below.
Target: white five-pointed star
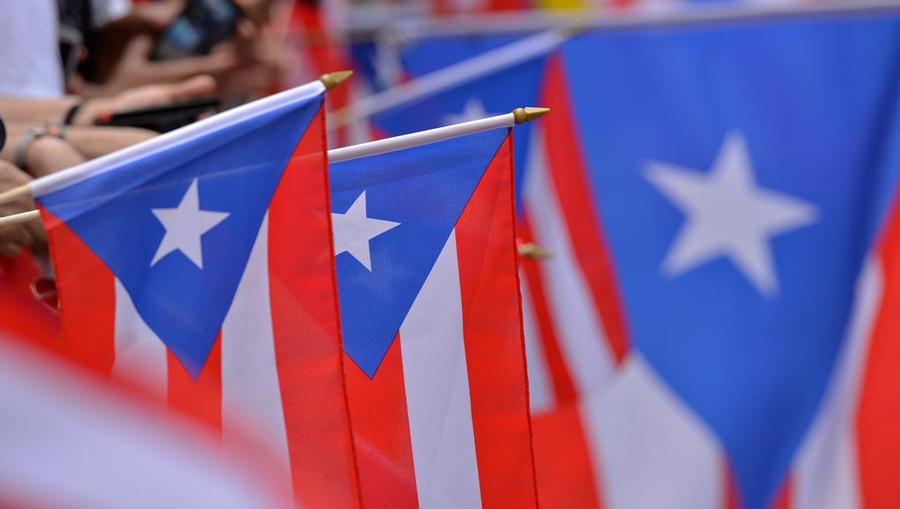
{"x": 353, "y": 230}
{"x": 728, "y": 215}
{"x": 472, "y": 110}
{"x": 184, "y": 226}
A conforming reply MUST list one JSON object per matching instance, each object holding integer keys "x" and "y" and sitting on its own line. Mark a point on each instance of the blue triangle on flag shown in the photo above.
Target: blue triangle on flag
{"x": 417, "y": 194}
{"x": 236, "y": 170}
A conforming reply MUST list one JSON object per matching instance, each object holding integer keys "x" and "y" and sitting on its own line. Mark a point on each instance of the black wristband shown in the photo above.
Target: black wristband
{"x": 72, "y": 113}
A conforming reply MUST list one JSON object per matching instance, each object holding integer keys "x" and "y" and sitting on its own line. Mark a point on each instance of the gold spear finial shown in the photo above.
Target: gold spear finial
{"x": 334, "y": 79}
{"x": 528, "y": 114}
{"x": 533, "y": 252}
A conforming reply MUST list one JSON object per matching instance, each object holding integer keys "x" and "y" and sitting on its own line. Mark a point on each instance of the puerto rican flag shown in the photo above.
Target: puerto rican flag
{"x": 713, "y": 328}
{"x": 200, "y": 265}
{"x": 73, "y": 439}
{"x": 426, "y": 266}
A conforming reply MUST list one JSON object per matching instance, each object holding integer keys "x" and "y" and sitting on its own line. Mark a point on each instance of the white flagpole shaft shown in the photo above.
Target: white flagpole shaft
{"x": 384, "y": 146}
{"x": 337, "y": 155}
{"x": 451, "y": 76}
{"x": 63, "y": 178}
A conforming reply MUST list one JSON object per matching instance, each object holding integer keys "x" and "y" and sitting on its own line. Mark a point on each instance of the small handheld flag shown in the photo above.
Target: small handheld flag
{"x": 200, "y": 264}
{"x": 426, "y": 265}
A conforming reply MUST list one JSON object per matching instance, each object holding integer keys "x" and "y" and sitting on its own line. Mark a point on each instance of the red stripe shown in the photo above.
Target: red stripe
{"x": 306, "y": 329}
{"x": 783, "y": 498}
{"x": 27, "y": 319}
{"x": 381, "y": 433}
{"x": 570, "y": 178}
{"x": 327, "y": 55}
{"x": 492, "y": 330}
{"x": 878, "y": 420}
{"x": 563, "y": 387}
{"x": 87, "y": 299}
{"x": 732, "y": 494}
{"x": 19, "y": 272}
{"x": 565, "y": 470}
{"x": 201, "y": 399}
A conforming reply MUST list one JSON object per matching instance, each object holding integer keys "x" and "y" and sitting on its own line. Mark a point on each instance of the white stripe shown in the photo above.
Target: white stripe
{"x": 140, "y": 355}
{"x": 826, "y": 474}
{"x": 540, "y": 390}
{"x": 649, "y": 448}
{"x": 67, "y": 442}
{"x": 437, "y": 391}
{"x": 251, "y": 394}
{"x": 579, "y": 328}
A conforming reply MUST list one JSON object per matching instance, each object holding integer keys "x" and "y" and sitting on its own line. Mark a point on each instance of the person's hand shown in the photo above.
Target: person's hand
{"x": 135, "y": 68}
{"x": 30, "y": 234}
{"x": 155, "y": 16}
{"x": 264, "y": 63}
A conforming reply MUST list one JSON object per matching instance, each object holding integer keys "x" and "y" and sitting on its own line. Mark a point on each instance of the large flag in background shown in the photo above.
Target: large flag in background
{"x": 709, "y": 332}
{"x": 737, "y": 218}
{"x": 200, "y": 264}
{"x": 426, "y": 266}
{"x": 73, "y": 439}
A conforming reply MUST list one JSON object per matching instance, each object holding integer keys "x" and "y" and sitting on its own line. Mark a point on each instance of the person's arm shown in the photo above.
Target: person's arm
{"x": 35, "y": 111}
{"x": 134, "y": 68}
{"x": 93, "y": 142}
{"x": 40, "y": 155}
{"x": 48, "y": 153}
{"x": 17, "y": 110}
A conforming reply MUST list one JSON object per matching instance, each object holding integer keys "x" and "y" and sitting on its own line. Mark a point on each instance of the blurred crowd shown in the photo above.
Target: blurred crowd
{"x": 83, "y": 78}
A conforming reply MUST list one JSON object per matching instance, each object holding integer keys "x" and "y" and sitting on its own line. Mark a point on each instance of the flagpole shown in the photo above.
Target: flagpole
{"x": 452, "y": 76}
{"x": 558, "y": 28}
{"x": 21, "y": 217}
{"x": 336, "y": 155}
{"x": 517, "y": 116}
{"x": 62, "y": 178}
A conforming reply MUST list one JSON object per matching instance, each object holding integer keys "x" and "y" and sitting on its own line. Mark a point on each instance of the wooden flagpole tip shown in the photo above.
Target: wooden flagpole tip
{"x": 334, "y": 79}
{"x": 529, "y": 113}
{"x": 22, "y": 217}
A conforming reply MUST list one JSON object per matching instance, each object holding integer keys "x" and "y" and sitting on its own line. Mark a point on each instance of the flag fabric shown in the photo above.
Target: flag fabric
{"x": 72, "y": 439}
{"x": 735, "y": 222}
{"x": 436, "y": 381}
{"x": 713, "y": 328}
{"x": 201, "y": 267}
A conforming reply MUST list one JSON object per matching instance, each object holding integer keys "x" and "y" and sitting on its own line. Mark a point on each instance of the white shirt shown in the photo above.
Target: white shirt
{"x": 29, "y": 49}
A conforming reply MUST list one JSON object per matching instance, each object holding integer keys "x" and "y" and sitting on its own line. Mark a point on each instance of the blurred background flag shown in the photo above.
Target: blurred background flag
{"x": 709, "y": 188}
{"x": 197, "y": 263}
{"x": 72, "y": 439}
{"x": 426, "y": 266}
{"x": 737, "y": 218}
